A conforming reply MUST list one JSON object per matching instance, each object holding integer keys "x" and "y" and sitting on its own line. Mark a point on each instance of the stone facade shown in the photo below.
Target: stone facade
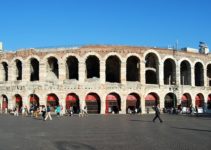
{"x": 158, "y": 73}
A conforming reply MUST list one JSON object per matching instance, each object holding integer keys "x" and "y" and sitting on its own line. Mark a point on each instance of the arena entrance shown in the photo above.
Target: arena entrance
{"x": 186, "y": 100}
{"x": 72, "y": 100}
{"x": 34, "y": 99}
{"x": 52, "y": 101}
{"x": 4, "y": 103}
{"x": 113, "y": 103}
{"x": 199, "y": 100}
{"x": 93, "y": 103}
{"x": 151, "y": 100}
{"x": 18, "y": 102}
{"x": 209, "y": 102}
{"x": 133, "y": 103}
{"x": 170, "y": 102}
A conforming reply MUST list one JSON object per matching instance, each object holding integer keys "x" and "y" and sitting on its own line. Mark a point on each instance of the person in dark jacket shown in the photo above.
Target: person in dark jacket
{"x": 157, "y": 114}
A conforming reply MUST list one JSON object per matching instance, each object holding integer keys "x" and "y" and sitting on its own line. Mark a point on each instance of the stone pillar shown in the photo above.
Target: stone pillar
{"x": 102, "y": 72}
{"x": 160, "y": 75}
{"x": 143, "y": 108}
{"x": 205, "y": 77}
{"x": 123, "y": 104}
{"x": 192, "y": 76}
{"x": 103, "y": 105}
{"x": 26, "y": 71}
{"x": 62, "y": 71}
{"x": 81, "y": 71}
{"x": 178, "y": 77}
{"x": 142, "y": 73}
{"x": 11, "y": 72}
{"x": 123, "y": 72}
{"x": 43, "y": 71}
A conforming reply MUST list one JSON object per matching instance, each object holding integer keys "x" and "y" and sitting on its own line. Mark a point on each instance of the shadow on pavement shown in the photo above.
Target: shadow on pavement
{"x": 192, "y": 129}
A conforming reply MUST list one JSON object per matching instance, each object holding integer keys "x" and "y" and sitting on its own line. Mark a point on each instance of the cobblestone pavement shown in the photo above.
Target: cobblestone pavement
{"x": 105, "y": 132}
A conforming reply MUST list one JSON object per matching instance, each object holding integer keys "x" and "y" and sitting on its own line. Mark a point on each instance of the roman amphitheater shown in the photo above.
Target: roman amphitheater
{"x": 106, "y": 79}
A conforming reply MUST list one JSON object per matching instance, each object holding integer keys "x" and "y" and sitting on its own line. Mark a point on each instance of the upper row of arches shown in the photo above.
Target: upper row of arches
{"x": 153, "y": 68}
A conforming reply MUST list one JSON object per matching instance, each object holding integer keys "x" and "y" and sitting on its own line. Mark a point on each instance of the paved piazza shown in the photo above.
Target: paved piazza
{"x": 105, "y": 132}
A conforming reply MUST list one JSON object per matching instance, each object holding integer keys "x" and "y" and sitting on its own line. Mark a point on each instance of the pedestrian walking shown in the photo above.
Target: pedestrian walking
{"x": 43, "y": 112}
{"x": 58, "y": 110}
{"x": 48, "y": 113}
{"x": 196, "y": 109}
{"x": 157, "y": 114}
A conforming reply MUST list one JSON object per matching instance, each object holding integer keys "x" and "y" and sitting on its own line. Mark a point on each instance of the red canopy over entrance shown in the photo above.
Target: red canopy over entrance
{"x": 150, "y": 97}
{"x": 111, "y": 97}
{"x": 209, "y": 98}
{"x": 18, "y": 99}
{"x": 184, "y": 98}
{"x": 71, "y": 98}
{"x": 33, "y": 98}
{"x": 131, "y": 98}
{"x": 51, "y": 98}
{"x": 91, "y": 97}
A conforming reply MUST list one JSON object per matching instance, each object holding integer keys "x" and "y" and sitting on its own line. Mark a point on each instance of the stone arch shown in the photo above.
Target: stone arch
{"x": 72, "y": 67}
{"x": 53, "y": 101}
{"x": 133, "y": 68}
{"x": 4, "y": 68}
{"x": 18, "y": 101}
{"x": 93, "y": 103}
{"x": 113, "y": 69}
{"x": 151, "y": 68}
{"x": 209, "y": 102}
{"x": 113, "y": 103}
{"x": 169, "y": 66}
{"x": 72, "y": 103}
{"x": 186, "y": 100}
{"x": 52, "y": 67}
{"x": 170, "y": 101}
{"x": 208, "y": 73}
{"x": 199, "y": 100}
{"x": 18, "y": 64}
{"x": 151, "y": 99}
{"x": 92, "y": 66}
{"x": 34, "y": 69}
{"x": 185, "y": 72}
{"x": 133, "y": 102}
{"x": 113, "y": 54}
{"x": 199, "y": 73}
{"x": 4, "y": 102}
{"x": 34, "y": 99}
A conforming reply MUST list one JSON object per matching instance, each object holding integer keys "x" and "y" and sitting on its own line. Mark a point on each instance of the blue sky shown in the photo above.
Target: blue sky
{"x": 46, "y": 23}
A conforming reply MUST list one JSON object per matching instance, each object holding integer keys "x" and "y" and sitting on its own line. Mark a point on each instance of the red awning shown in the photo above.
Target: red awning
{"x": 131, "y": 98}
{"x": 111, "y": 97}
{"x": 209, "y": 98}
{"x": 91, "y": 98}
{"x": 51, "y": 98}
{"x": 150, "y": 97}
{"x": 33, "y": 99}
{"x": 71, "y": 98}
{"x": 18, "y": 99}
{"x": 184, "y": 98}
{"x": 198, "y": 98}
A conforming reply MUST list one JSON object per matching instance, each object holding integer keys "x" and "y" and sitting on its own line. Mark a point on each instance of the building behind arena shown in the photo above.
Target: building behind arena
{"x": 107, "y": 79}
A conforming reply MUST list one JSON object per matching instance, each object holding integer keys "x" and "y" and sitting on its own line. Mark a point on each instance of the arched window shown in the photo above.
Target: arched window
{"x": 199, "y": 74}
{"x": 34, "y": 70}
{"x": 169, "y": 72}
{"x": 4, "y": 71}
{"x": 72, "y": 68}
{"x": 133, "y": 69}
{"x": 18, "y": 69}
{"x": 209, "y": 74}
{"x": 152, "y": 69}
{"x": 113, "y": 69}
{"x": 92, "y": 67}
{"x": 52, "y": 69}
{"x": 185, "y": 73}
